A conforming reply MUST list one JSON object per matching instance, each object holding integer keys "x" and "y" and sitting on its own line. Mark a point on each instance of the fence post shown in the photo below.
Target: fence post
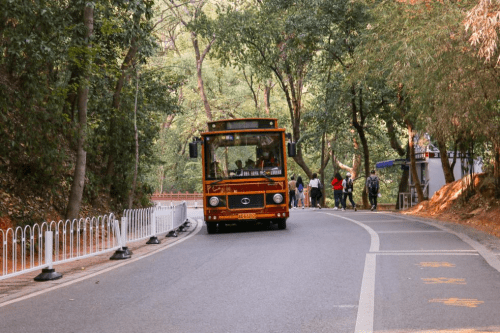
{"x": 122, "y": 252}
{"x": 153, "y": 239}
{"x": 186, "y": 223}
{"x": 48, "y": 273}
{"x": 172, "y": 232}
{"x": 124, "y": 236}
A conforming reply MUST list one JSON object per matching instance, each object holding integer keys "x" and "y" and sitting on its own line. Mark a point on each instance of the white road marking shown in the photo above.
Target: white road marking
{"x": 366, "y": 307}
{"x": 489, "y": 256}
{"x": 408, "y": 231}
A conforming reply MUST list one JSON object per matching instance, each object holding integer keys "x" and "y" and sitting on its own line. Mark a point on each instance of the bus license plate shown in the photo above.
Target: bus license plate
{"x": 247, "y": 216}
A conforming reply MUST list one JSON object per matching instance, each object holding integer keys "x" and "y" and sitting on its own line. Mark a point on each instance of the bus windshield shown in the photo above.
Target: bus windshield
{"x": 244, "y": 155}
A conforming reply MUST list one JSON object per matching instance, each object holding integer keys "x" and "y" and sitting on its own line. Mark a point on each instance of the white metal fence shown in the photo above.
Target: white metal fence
{"x": 26, "y": 249}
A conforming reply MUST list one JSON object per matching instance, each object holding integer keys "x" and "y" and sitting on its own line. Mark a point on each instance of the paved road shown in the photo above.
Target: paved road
{"x": 329, "y": 271}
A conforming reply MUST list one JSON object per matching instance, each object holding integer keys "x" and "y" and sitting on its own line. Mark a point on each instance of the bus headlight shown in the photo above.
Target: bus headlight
{"x": 278, "y": 198}
{"x": 214, "y": 201}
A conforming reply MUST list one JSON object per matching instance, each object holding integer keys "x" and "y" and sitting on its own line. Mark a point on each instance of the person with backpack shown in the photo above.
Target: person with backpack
{"x": 291, "y": 188}
{"x": 347, "y": 188}
{"x": 315, "y": 190}
{"x": 299, "y": 193}
{"x": 337, "y": 190}
{"x": 373, "y": 188}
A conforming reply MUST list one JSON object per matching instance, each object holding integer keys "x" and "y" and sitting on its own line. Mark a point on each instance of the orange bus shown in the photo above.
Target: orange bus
{"x": 244, "y": 172}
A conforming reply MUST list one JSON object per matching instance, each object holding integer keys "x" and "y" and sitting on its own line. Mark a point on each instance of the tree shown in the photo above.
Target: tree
{"x": 186, "y": 13}
{"x": 283, "y": 39}
{"x": 75, "y": 197}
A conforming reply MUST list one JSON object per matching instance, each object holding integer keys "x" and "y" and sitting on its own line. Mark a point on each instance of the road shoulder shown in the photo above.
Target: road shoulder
{"x": 23, "y": 286}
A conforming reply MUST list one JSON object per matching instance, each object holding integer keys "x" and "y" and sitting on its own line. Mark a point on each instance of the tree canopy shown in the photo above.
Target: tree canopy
{"x": 128, "y": 84}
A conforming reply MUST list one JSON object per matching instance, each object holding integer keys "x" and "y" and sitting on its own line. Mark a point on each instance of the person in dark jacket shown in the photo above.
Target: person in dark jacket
{"x": 291, "y": 188}
{"x": 373, "y": 188}
{"x": 337, "y": 190}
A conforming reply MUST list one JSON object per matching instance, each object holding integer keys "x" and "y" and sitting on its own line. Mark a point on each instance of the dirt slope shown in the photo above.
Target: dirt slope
{"x": 452, "y": 203}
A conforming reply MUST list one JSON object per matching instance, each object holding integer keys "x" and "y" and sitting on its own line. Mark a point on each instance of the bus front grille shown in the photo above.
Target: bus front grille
{"x": 246, "y": 201}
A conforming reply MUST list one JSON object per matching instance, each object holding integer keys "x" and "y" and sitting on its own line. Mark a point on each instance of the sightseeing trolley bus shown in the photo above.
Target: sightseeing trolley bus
{"x": 244, "y": 172}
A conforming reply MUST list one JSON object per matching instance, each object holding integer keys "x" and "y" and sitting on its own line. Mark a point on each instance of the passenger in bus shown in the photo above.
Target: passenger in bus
{"x": 249, "y": 164}
{"x": 239, "y": 167}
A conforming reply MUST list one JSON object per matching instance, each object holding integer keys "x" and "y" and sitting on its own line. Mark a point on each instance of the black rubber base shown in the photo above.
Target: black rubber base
{"x": 120, "y": 254}
{"x": 171, "y": 234}
{"x": 153, "y": 240}
{"x": 127, "y": 251}
{"x": 48, "y": 274}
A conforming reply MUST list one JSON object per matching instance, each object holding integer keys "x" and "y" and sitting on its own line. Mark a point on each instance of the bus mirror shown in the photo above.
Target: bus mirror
{"x": 292, "y": 149}
{"x": 193, "y": 149}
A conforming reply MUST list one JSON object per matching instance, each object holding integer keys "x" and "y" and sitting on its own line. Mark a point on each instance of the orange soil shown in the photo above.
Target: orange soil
{"x": 452, "y": 203}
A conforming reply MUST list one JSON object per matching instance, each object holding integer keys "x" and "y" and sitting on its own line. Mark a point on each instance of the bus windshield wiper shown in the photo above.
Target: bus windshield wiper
{"x": 269, "y": 178}
{"x": 218, "y": 181}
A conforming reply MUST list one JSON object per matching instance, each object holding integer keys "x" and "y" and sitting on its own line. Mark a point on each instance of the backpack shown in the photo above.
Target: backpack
{"x": 300, "y": 187}
{"x": 372, "y": 185}
{"x": 348, "y": 185}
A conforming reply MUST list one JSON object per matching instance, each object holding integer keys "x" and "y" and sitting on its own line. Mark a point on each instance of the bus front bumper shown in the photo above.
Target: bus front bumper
{"x": 246, "y": 216}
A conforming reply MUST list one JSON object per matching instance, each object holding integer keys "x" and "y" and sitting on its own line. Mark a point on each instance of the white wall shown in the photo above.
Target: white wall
{"x": 436, "y": 175}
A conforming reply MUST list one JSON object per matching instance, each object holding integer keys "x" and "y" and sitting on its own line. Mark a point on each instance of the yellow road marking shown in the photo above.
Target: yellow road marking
{"x": 435, "y": 264}
{"x": 443, "y": 280}
{"x": 467, "y": 302}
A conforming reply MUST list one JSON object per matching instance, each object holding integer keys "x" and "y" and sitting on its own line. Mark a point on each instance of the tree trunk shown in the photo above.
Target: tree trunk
{"x": 322, "y": 170}
{"x": 359, "y": 126}
{"x": 496, "y": 168}
{"x": 393, "y": 139}
{"x": 199, "y": 76}
{"x": 127, "y": 63}
{"x": 267, "y": 97}
{"x": 413, "y": 167}
{"x": 449, "y": 177}
{"x": 136, "y": 134}
{"x": 76, "y": 194}
{"x": 403, "y": 183}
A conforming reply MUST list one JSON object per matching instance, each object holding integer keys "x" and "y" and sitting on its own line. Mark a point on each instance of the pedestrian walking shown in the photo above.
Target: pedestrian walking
{"x": 347, "y": 189}
{"x": 315, "y": 190}
{"x": 337, "y": 190}
{"x": 291, "y": 189}
{"x": 373, "y": 189}
{"x": 299, "y": 192}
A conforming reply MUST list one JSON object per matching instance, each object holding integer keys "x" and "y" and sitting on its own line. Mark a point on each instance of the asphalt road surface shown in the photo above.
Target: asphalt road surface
{"x": 329, "y": 271}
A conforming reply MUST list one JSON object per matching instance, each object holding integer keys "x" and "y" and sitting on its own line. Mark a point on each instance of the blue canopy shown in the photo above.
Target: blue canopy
{"x": 384, "y": 164}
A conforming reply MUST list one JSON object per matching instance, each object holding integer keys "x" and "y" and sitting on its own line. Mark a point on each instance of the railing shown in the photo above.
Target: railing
{"x": 24, "y": 249}
{"x": 30, "y": 248}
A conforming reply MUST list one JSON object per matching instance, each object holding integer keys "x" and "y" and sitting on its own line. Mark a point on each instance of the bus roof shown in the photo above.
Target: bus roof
{"x": 242, "y": 124}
